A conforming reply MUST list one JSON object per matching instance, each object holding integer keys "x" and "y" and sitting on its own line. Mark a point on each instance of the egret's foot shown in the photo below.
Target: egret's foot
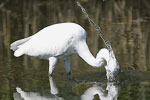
{"x": 69, "y": 75}
{"x": 50, "y": 75}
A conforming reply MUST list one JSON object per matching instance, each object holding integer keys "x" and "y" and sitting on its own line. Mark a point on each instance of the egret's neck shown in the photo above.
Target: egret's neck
{"x": 103, "y": 54}
{"x": 86, "y": 55}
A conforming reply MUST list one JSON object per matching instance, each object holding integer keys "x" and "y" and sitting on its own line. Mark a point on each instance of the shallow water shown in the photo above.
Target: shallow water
{"x": 125, "y": 24}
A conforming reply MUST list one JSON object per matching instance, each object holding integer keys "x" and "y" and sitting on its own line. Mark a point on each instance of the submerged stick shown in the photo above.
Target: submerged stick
{"x": 98, "y": 29}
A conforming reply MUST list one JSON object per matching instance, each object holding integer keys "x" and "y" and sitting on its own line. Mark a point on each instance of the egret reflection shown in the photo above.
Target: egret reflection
{"x": 109, "y": 93}
{"x": 36, "y": 96}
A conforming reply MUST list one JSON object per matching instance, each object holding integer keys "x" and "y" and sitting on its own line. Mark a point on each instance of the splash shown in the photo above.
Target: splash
{"x": 109, "y": 73}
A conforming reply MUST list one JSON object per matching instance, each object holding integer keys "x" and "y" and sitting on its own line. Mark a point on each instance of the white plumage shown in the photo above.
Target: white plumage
{"x": 59, "y": 41}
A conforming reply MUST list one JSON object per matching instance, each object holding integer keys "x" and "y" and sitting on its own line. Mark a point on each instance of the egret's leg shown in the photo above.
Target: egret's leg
{"x": 54, "y": 89}
{"x": 67, "y": 64}
{"x": 52, "y": 63}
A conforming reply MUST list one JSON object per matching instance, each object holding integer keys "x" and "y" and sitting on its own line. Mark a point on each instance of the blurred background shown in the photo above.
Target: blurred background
{"x": 126, "y": 24}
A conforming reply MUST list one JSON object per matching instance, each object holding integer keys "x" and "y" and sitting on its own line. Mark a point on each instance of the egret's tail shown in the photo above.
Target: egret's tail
{"x": 15, "y": 46}
{"x": 19, "y": 52}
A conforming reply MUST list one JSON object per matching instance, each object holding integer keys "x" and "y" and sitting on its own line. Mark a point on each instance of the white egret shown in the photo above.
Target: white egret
{"x": 60, "y": 41}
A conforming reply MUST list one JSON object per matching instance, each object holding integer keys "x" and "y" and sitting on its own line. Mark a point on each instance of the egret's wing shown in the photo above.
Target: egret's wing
{"x": 48, "y": 42}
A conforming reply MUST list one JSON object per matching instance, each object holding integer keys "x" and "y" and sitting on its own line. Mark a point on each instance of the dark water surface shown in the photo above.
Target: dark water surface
{"x": 126, "y": 24}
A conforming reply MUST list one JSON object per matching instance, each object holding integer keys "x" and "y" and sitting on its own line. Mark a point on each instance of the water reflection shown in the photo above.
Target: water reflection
{"x": 109, "y": 93}
{"x": 125, "y": 23}
{"x": 36, "y": 96}
{"x": 32, "y": 96}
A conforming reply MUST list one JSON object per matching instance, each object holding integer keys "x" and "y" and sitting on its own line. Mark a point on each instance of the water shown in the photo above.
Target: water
{"x": 126, "y": 26}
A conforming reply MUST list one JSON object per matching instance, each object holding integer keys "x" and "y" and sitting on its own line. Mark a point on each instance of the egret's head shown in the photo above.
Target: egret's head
{"x": 112, "y": 67}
